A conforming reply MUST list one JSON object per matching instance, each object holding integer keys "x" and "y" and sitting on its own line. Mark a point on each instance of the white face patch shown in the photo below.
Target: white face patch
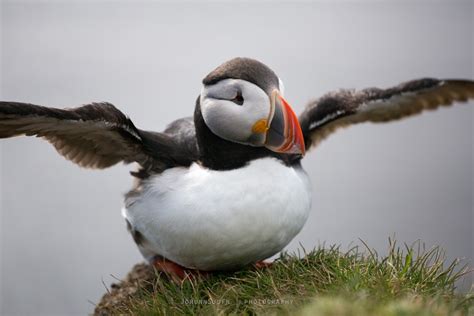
{"x": 230, "y": 120}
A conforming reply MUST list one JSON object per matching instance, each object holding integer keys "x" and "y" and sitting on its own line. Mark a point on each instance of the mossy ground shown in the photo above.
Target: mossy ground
{"x": 325, "y": 281}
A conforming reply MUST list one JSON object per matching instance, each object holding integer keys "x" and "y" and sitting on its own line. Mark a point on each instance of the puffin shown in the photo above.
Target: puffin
{"x": 223, "y": 189}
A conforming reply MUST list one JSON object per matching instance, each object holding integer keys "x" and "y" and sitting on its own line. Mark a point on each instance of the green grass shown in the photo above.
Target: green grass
{"x": 325, "y": 281}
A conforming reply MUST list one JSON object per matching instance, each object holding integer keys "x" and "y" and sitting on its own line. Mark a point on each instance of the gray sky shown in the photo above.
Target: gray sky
{"x": 61, "y": 228}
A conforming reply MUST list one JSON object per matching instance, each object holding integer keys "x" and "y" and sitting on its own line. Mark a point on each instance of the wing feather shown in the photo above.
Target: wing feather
{"x": 336, "y": 110}
{"x": 96, "y": 135}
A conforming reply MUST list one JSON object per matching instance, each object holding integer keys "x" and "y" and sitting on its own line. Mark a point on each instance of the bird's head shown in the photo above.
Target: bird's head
{"x": 242, "y": 101}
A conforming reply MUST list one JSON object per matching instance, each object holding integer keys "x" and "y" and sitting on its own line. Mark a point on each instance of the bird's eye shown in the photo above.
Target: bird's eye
{"x": 238, "y": 99}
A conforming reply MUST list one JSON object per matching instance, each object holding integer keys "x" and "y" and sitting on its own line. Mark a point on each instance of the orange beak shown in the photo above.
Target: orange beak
{"x": 284, "y": 134}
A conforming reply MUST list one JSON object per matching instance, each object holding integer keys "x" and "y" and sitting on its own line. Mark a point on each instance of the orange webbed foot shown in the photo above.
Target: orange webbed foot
{"x": 262, "y": 264}
{"x": 175, "y": 271}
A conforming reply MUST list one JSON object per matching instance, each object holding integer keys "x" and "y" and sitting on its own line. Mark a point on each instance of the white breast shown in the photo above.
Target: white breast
{"x": 216, "y": 220}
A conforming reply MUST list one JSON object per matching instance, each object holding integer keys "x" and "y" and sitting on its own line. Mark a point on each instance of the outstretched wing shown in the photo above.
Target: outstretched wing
{"x": 346, "y": 107}
{"x": 96, "y": 135}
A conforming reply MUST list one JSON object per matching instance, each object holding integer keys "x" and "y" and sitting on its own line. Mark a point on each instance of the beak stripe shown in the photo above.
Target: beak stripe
{"x": 284, "y": 135}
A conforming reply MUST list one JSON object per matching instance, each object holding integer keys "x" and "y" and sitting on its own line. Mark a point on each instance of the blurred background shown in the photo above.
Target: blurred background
{"x": 62, "y": 235}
